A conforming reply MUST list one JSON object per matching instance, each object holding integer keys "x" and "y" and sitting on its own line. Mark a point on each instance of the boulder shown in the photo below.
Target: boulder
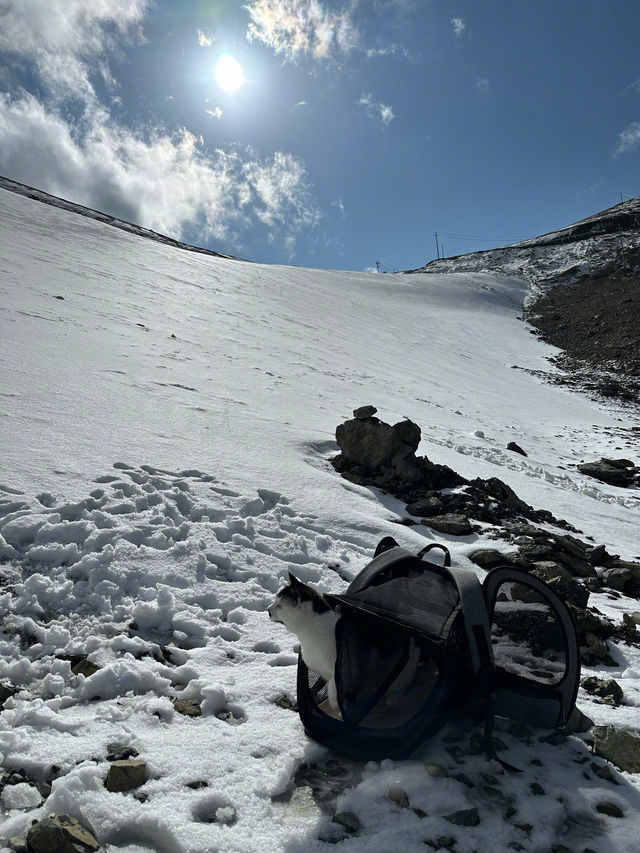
{"x": 364, "y": 412}
{"x": 515, "y": 448}
{"x": 452, "y": 523}
{"x": 487, "y": 558}
{"x": 617, "y": 746}
{"x": 371, "y": 444}
{"x": 613, "y": 472}
{"x": 126, "y": 775}
{"x": 606, "y": 689}
{"x": 426, "y": 507}
{"x": 61, "y": 834}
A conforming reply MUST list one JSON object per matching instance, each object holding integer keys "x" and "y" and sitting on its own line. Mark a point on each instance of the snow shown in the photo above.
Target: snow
{"x": 166, "y": 427}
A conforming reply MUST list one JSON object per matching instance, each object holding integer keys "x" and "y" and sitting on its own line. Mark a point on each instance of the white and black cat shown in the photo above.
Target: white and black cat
{"x": 308, "y": 615}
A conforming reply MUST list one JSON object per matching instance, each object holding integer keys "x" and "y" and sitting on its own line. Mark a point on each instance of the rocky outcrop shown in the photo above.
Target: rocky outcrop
{"x": 614, "y": 472}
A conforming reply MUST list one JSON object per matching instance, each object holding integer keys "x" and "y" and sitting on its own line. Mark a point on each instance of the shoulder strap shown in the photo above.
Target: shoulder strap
{"x": 476, "y": 623}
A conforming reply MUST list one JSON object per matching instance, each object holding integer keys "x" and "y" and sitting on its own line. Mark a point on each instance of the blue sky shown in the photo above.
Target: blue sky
{"x": 361, "y": 127}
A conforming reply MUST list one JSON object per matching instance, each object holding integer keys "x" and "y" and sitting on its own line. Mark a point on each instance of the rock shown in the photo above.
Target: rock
{"x": 616, "y": 578}
{"x": 436, "y": 771}
{"x": 537, "y": 790}
{"x": 347, "y": 819}
{"x": 61, "y": 834}
{"x": 371, "y": 444}
{"x": 6, "y": 691}
{"x": 399, "y": 797}
{"x": 126, "y": 775}
{"x": 426, "y": 507}
{"x": 85, "y": 667}
{"x": 364, "y": 412}
{"x": 286, "y": 702}
{"x": 187, "y": 707}
{"x": 610, "y": 809}
{"x": 452, "y": 523}
{"x": 120, "y": 752}
{"x": 617, "y": 746}
{"x": 464, "y": 817}
{"x": 614, "y": 472}
{"x": 604, "y": 771}
{"x": 516, "y": 448}
{"x": 578, "y": 723}
{"x": 605, "y": 688}
{"x": 488, "y": 558}
{"x": 558, "y": 579}
{"x": 596, "y": 646}
{"x": 18, "y": 844}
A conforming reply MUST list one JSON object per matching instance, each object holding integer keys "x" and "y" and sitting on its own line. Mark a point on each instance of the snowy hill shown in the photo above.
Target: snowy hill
{"x": 603, "y": 244}
{"x": 167, "y": 419}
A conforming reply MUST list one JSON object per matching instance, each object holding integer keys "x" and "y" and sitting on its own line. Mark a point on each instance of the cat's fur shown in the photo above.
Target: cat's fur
{"x": 308, "y": 615}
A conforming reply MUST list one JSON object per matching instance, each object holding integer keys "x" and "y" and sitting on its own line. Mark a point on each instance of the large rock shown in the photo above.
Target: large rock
{"x": 61, "y": 834}
{"x": 617, "y": 746}
{"x": 126, "y": 775}
{"x": 614, "y": 472}
{"x": 452, "y": 523}
{"x": 371, "y": 444}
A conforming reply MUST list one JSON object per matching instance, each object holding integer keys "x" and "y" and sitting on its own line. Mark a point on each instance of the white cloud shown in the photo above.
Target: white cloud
{"x": 162, "y": 181}
{"x": 68, "y": 40}
{"x": 376, "y": 110}
{"x": 628, "y": 139}
{"x": 292, "y": 27}
{"x": 390, "y": 50}
{"x": 204, "y": 40}
{"x": 459, "y": 27}
{"x": 481, "y": 85}
{"x": 217, "y": 113}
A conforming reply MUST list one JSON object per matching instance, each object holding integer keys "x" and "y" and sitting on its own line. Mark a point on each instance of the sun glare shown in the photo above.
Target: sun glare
{"x": 229, "y": 73}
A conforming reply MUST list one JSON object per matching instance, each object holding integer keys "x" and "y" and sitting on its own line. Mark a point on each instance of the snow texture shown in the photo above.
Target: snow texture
{"x": 167, "y": 419}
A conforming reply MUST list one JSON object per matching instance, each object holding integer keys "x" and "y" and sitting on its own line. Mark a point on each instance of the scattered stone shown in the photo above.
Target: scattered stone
{"x": 347, "y": 819}
{"x": 61, "y": 834}
{"x": 187, "y": 707}
{"x": 487, "y": 558}
{"x": 120, "y": 752}
{"x": 578, "y": 723}
{"x": 610, "y": 809}
{"x": 197, "y": 785}
{"x": 604, "y": 771}
{"x": 606, "y": 689}
{"x": 453, "y": 523}
{"x": 614, "y": 472}
{"x": 516, "y": 448}
{"x": 464, "y": 817}
{"x": 126, "y": 775}
{"x": 537, "y": 790}
{"x": 286, "y": 702}
{"x": 6, "y": 691}
{"x": 364, "y": 412}
{"x": 85, "y": 667}
{"x": 618, "y": 746}
{"x": 426, "y": 507}
{"x": 436, "y": 771}
{"x": 141, "y": 797}
{"x": 18, "y": 844}
{"x": 61, "y": 298}
{"x": 399, "y": 797}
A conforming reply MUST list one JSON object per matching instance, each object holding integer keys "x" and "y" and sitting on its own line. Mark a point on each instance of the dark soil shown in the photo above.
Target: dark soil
{"x": 596, "y": 323}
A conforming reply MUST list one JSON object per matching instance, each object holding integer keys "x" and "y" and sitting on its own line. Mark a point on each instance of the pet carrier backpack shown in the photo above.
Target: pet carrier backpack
{"x": 416, "y": 640}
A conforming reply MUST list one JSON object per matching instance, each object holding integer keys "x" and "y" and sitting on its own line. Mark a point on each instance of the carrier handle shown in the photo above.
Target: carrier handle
{"x": 427, "y": 548}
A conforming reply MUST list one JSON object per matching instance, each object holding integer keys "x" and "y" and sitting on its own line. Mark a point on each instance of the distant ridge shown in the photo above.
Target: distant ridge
{"x": 607, "y": 243}
{"x": 122, "y": 224}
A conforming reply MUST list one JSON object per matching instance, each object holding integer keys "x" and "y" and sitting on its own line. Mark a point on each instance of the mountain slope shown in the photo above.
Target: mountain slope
{"x": 167, "y": 419}
{"x": 604, "y": 244}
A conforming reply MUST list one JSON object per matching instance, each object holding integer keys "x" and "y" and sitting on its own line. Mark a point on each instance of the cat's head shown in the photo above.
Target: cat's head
{"x": 295, "y": 601}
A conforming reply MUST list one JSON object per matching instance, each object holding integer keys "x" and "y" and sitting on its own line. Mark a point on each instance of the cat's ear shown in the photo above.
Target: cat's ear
{"x": 293, "y": 580}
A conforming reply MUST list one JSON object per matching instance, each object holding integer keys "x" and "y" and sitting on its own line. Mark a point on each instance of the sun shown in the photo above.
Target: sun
{"x": 229, "y": 73}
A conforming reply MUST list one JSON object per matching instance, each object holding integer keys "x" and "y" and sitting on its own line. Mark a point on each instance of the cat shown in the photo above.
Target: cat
{"x": 308, "y": 615}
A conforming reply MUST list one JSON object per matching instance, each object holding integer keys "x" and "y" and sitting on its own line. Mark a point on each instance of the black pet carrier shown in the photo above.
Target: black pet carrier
{"x": 417, "y": 640}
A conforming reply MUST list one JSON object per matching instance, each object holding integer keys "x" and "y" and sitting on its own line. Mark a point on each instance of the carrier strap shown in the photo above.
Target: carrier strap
{"x": 476, "y": 623}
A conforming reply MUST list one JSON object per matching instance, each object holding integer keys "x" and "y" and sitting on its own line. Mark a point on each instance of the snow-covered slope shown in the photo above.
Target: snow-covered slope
{"x": 608, "y": 242}
{"x": 166, "y": 419}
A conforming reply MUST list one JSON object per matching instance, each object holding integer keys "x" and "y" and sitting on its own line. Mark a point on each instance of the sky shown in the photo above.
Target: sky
{"x": 326, "y": 134}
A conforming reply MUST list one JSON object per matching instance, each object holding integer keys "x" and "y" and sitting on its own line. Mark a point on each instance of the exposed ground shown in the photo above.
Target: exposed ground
{"x": 596, "y": 323}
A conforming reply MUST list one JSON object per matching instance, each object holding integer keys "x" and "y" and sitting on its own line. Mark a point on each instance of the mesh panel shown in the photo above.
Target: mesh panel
{"x": 384, "y": 674}
{"x": 425, "y": 601}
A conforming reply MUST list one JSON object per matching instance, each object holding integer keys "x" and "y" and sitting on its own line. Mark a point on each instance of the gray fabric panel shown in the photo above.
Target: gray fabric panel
{"x": 474, "y": 610}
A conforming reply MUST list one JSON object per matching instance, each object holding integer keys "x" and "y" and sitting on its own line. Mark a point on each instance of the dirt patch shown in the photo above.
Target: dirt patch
{"x": 596, "y": 323}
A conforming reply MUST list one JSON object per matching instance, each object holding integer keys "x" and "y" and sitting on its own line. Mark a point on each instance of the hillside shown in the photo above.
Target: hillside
{"x": 168, "y": 422}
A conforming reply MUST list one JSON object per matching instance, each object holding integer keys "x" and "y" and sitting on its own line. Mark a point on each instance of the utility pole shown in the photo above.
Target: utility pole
{"x": 437, "y": 247}
{"x": 378, "y": 265}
